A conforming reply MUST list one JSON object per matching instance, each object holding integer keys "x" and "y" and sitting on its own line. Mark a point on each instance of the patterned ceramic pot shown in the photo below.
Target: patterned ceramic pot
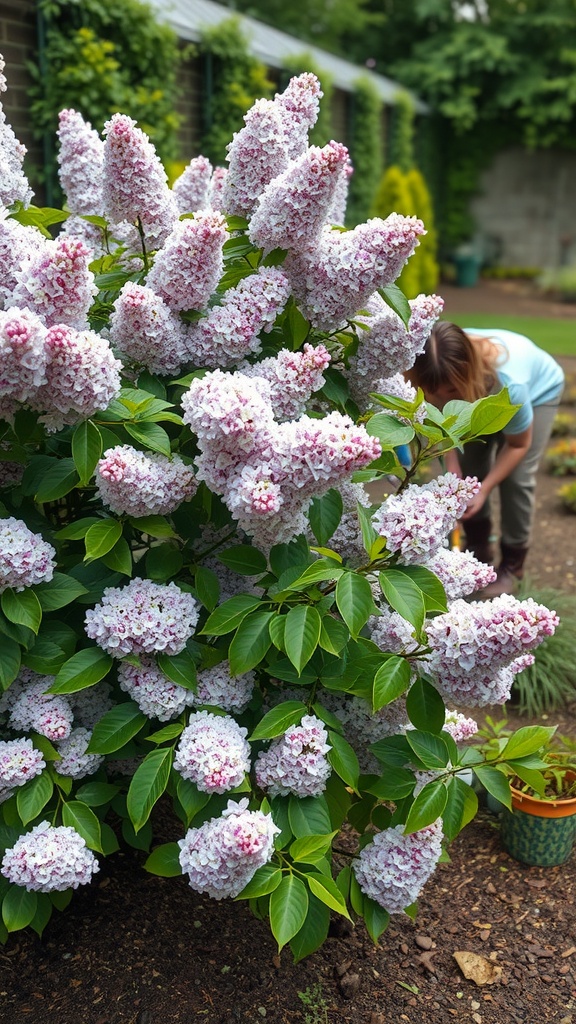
{"x": 538, "y": 832}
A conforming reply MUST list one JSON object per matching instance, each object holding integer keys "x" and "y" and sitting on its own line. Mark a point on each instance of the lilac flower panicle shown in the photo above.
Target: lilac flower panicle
{"x": 391, "y": 632}
{"x": 216, "y": 687}
{"x": 80, "y": 160}
{"x": 460, "y": 572}
{"x": 14, "y": 186}
{"x": 293, "y": 207}
{"x": 213, "y": 752}
{"x": 293, "y": 378}
{"x": 23, "y": 354}
{"x": 337, "y": 213}
{"x": 90, "y": 705}
{"x": 231, "y": 331}
{"x": 335, "y": 276}
{"x": 18, "y": 243}
{"x": 188, "y": 268}
{"x": 146, "y": 331}
{"x": 141, "y": 484}
{"x": 19, "y": 762}
{"x": 25, "y": 558}
{"x": 142, "y": 618}
{"x": 74, "y": 761}
{"x": 29, "y": 707}
{"x": 216, "y": 188}
{"x": 56, "y": 284}
{"x": 222, "y": 855}
{"x": 459, "y": 726}
{"x": 394, "y": 867}
{"x": 475, "y": 646}
{"x": 82, "y": 377}
{"x": 155, "y": 694}
{"x": 256, "y": 155}
{"x": 416, "y": 522}
{"x": 134, "y": 182}
{"x": 298, "y": 106}
{"x": 49, "y": 859}
{"x": 191, "y": 188}
{"x": 296, "y": 762}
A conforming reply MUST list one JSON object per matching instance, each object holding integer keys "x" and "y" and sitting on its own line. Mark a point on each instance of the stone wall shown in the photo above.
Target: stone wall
{"x": 526, "y": 210}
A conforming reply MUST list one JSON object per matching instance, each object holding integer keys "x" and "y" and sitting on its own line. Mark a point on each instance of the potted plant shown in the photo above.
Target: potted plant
{"x": 541, "y": 826}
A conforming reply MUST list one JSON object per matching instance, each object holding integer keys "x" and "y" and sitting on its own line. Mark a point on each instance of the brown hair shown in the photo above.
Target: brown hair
{"x": 453, "y": 359}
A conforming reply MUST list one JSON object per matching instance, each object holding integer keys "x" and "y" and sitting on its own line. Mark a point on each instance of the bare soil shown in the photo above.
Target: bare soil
{"x": 136, "y": 949}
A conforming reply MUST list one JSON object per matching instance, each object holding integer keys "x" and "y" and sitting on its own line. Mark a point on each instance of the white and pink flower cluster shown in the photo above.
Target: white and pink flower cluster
{"x": 459, "y": 726}
{"x": 416, "y": 522}
{"x": 222, "y": 855}
{"x": 394, "y": 867}
{"x": 213, "y": 752}
{"x": 460, "y": 572}
{"x": 19, "y": 762}
{"x": 155, "y": 694}
{"x": 25, "y": 558}
{"x": 296, "y": 762}
{"x": 49, "y": 859}
{"x": 268, "y": 472}
{"x": 64, "y": 374}
{"x": 142, "y": 483}
{"x": 74, "y": 761}
{"x": 478, "y": 647}
{"x": 293, "y": 377}
{"x": 142, "y": 618}
{"x": 14, "y": 185}
{"x": 388, "y": 347}
{"x": 56, "y": 284}
{"x": 191, "y": 188}
{"x": 29, "y": 707}
{"x": 217, "y": 688}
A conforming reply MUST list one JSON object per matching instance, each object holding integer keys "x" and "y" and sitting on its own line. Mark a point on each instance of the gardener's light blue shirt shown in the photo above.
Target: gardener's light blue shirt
{"x": 531, "y": 375}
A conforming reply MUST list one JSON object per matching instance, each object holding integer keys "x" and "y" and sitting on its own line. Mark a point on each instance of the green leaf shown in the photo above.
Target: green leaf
{"x": 77, "y": 530}
{"x": 427, "y": 807}
{"x": 309, "y": 816}
{"x": 264, "y": 881}
{"x": 179, "y": 668}
{"x": 394, "y": 297}
{"x": 151, "y": 435}
{"x": 369, "y": 535}
{"x": 334, "y": 635}
{"x": 164, "y": 861}
{"x": 288, "y": 908}
{"x": 119, "y": 558}
{"x": 86, "y": 449}
{"x": 495, "y": 782}
{"x": 207, "y": 587}
{"x": 191, "y": 799}
{"x": 425, "y": 707}
{"x": 33, "y": 797}
{"x": 101, "y": 538}
{"x": 115, "y": 728}
{"x": 243, "y": 559}
{"x": 154, "y": 526}
{"x": 96, "y": 794}
{"x": 148, "y": 783}
{"x": 163, "y": 561}
{"x": 43, "y": 913}
{"x": 527, "y": 741}
{"x": 10, "y": 657}
{"x": 321, "y": 569}
{"x": 301, "y": 634}
{"x": 324, "y": 515}
{"x": 431, "y": 587}
{"x": 375, "y": 917}
{"x": 404, "y": 596}
{"x": 491, "y": 414}
{"x": 430, "y": 748}
{"x": 250, "y": 642}
{"x": 18, "y": 908}
{"x": 395, "y": 784}
{"x": 60, "y": 591}
{"x": 309, "y": 849}
{"x": 229, "y": 615}
{"x": 22, "y": 607}
{"x": 326, "y": 890}
{"x": 83, "y": 669}
{"x": 461, "y": 807}
{"x": 391, "y": 680}
{"x": 45, "y": 657}
{"x": 343, "y": 759}
{"x": 169, "y": 732}
{"x": 79, "y": 817}
{"x": 313, "y": 932}
{"x": 57, "y": 481}
{"x": 389, "y": 430}
{"x": 278, "y": 720}
{"x": 277, "y": 628}
{"x": 354, "y": 601}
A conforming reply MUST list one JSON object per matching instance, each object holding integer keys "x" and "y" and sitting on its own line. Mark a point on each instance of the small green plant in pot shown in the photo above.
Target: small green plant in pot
{"x": 540, "y": 828}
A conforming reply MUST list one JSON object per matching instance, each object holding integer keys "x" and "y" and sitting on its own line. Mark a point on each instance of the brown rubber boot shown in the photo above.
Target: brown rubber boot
{"x": 478, "y": 532}
{"x": 509, "y": 572}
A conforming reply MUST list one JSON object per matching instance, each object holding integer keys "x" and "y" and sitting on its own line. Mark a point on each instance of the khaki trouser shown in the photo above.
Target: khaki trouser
{"x": 517, "y": 496}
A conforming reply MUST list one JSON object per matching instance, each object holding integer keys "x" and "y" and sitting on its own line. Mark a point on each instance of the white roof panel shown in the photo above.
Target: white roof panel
{"x": 272, "y": 47}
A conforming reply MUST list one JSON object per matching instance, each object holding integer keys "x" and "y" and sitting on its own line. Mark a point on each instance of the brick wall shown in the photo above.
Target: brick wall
{"x": 18, "y": 45}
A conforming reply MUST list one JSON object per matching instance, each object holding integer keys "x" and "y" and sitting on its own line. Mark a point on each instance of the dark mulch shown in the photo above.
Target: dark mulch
{"x": 136, "y": 949}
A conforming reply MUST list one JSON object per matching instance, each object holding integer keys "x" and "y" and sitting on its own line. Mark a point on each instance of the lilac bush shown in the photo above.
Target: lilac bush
{"x": 200, "y": 605}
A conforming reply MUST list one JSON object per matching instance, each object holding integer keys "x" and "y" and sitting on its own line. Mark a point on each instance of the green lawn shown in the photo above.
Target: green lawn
{"x": 555, "y": 336}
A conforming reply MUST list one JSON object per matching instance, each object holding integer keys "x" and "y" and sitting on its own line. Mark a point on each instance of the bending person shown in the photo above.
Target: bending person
{"x": 471, "y": 364}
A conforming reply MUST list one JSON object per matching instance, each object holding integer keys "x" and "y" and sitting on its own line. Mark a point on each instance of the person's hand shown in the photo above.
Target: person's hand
{"x": 476, "y": 504}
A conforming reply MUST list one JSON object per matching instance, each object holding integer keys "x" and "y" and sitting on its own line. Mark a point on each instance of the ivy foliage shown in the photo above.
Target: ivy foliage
{"x": 366, "y": 149}
{"x": 104, "y": 57}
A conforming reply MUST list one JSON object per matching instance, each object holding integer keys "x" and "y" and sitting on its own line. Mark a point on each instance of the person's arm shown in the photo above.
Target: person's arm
{"x": 510, "y": 455}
